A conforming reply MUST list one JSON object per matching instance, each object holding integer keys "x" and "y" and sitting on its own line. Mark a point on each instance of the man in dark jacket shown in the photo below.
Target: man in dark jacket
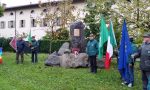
{"x": 130, "y": 80}
{"x": 34, "y": 49}
{"x": 144, "y": 54}
{"x": 20, "y": 50}
{"x": 92, "y": 50}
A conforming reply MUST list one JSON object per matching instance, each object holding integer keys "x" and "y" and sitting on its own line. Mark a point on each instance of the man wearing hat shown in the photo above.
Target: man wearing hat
{"x": 144, "y": 54}
{"x": 34, "y": 49}
{"x": 92, "y": 50}
{"x": 130, "y": 80}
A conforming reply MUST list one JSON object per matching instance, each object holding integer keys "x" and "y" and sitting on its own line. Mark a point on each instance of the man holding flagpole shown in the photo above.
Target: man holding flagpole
{"x": 20, "y": 49}
{"x": 131, "y": 64}
{"x": 144, "y": 54}
{"x": 34, "y": 49}
{"x": 125, "y": 51}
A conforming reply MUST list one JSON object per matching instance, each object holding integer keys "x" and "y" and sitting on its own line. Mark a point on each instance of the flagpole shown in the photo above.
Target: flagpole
{"x": 15, "y": 32}
{"x": 15, "y": 24}
{"x": 116, "y": 42}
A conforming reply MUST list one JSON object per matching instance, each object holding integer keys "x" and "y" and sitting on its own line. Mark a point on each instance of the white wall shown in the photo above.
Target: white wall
{"x": 38, "y": 31}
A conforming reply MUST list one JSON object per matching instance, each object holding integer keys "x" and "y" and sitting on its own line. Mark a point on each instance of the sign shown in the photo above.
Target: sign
{"x": 77, "y": 32}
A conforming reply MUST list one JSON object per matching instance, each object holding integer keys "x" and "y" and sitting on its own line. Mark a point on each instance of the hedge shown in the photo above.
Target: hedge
{"x": 45, "y": 46}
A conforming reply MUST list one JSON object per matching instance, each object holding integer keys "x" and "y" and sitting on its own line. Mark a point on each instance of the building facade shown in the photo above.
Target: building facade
{"x": 21, "y": 19}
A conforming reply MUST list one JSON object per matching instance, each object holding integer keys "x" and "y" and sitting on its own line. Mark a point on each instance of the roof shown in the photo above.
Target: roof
{"x": 34, "y": 6}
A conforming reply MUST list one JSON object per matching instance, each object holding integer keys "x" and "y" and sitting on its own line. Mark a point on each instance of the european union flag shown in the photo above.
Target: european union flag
{"x": 0, "y": 51}
{"x": 124, "y": 51}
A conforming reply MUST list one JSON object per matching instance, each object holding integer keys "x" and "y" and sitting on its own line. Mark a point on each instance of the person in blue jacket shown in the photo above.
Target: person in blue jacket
{"x": 130, "y": 80}
{"x": 92, "y": 51}
{"x": 20, "y": 49}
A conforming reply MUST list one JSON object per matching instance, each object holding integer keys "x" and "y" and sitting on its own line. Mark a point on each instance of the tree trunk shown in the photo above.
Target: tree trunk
{"x": 138, "y": 12}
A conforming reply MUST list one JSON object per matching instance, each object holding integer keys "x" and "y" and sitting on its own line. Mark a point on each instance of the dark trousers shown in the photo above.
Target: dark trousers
{"x": 34, "y": 57}
{"x": 131, "y": 74}
{"x": 122, "y": 74}
{"x": 146, "y": 80}
{"x": 93, "y": 65}
{"x": 18, "y": 54}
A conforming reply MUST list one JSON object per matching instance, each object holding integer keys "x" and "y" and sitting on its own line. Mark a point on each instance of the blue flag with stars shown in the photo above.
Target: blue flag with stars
{"x": 124, "y": 51}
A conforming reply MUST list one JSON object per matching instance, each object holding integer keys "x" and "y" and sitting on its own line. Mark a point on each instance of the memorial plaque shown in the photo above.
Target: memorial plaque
{"x": 76, "y": 32}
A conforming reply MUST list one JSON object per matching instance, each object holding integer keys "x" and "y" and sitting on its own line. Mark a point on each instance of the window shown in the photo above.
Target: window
{"x": 11, "y": 13}
{"x": 11, "y": 24}
{"x": 21, "y": 12}
{"x": 32, "y": 11}
{"x": 33, "y": 23}
{"x": 44, "y": 10}
{"x": 22, "y": 23}
{"x": 58, "y": 21}
{"x": 44, "y": 23}
{"x": 2, "y": 24}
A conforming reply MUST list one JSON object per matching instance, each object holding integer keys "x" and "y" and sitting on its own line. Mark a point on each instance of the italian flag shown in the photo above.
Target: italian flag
{"x": 103, "y": 37}
{"x": 110, "y": 44}
{"x": 29, "y": 37}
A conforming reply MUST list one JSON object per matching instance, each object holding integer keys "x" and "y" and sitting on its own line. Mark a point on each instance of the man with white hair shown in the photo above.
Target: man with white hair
{"x": 144, "y": 54}
{"x": 20, "y": 49}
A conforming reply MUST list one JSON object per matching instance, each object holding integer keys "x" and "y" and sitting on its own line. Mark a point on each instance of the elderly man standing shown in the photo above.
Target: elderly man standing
{"x": 92, "y": 51}
{"x": 34, "y": 49}
{"x": 144, "y": 54}
{"x": 20, "y": 49}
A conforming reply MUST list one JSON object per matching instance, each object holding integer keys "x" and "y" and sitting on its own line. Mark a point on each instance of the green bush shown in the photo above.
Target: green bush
{"x": 4, "y": 43}
{"x": 56, "y": 44}
{"x": 45, "y": 46}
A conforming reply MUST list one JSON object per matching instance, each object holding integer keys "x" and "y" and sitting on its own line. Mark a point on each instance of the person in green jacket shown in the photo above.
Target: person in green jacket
{"x": 130, "y": 80}
{"x": 34, "y": 49}
{"x": 92, "y": 51}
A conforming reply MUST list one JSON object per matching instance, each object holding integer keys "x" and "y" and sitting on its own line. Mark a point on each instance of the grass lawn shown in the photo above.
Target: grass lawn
{"x": 30, "y": 76}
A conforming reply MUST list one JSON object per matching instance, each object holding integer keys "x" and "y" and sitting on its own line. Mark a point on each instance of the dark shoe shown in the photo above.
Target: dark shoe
{"x": 91, "y": 70}
{"x": 94, "y": 72}
{"x": 17, "y": 62}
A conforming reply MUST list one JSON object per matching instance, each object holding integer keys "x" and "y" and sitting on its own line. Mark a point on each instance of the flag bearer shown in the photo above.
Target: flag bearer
{"x": 20, "y": 50}
{"x": 144, "y": 54}
{"x": 34, "y": 49}
{"x": 131, "y": 64}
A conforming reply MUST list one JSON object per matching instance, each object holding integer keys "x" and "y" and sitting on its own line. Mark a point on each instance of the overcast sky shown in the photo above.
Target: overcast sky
{"x": 10, "y": 3}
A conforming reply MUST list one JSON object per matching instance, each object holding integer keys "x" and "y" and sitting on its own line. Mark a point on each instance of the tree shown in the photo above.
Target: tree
{"x": 137, "y": 13}
{"x": 1, "y": 10}
{"x": 94, "y": 10}
{"x": 57, "y": 13}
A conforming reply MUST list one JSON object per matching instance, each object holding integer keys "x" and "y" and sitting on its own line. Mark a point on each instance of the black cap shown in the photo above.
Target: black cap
{"x": 131, "y": 39}
{"x": 33, "y": 36}
{"x": 147, "y": 35}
